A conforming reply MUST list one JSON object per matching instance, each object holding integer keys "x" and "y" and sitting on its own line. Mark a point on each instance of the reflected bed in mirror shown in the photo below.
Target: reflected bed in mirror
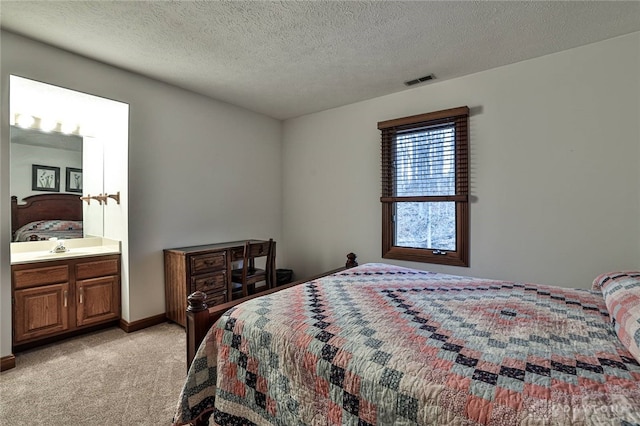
{"x": 45, "y": 216}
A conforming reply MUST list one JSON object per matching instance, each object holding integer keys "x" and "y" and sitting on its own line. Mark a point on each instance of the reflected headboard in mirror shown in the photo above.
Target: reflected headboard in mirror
{"x": 54, "y": 207}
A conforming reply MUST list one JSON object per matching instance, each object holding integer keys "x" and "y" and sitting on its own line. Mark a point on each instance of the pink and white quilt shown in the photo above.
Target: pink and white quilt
{"x": 42, "y": 230}
{"x": 382, "y": 345}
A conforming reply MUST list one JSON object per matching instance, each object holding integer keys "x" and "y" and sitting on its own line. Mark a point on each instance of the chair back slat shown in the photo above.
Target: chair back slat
{"x": 251, "y": 275}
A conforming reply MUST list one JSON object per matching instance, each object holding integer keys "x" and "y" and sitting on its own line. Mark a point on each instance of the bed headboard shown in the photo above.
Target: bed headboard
{"x": 45, "y": 207}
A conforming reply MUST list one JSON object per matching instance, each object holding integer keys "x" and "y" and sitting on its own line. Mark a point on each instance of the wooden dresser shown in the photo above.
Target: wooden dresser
{"x": 206, "y": 268}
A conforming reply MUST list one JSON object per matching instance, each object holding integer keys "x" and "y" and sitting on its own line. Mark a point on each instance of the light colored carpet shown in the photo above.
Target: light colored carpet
{"x": 107, "y": 377}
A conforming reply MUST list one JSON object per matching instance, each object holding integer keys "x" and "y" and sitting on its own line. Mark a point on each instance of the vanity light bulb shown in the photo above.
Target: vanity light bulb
{"x": 48, "y": 125}
{"x": 68, "y": 128}
{"x": 25, "y": 121}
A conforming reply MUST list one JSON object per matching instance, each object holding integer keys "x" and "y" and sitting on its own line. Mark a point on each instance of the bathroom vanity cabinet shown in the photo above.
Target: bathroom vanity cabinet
{"x": 55, "y": 298}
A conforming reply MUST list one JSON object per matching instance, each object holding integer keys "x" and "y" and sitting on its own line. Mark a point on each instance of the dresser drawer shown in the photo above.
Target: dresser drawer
{"x": 40, "y": 276}
{"x": 209, "y": 282}
{"x": 208, "y": 262}
{"x": 215, "y": 299}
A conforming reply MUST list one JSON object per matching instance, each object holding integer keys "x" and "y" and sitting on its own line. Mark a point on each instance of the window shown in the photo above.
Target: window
{"x": 425, "y": 187}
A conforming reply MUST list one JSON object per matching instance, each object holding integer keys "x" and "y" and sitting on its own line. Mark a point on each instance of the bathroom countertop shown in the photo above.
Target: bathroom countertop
{"x": 40, "y": 251}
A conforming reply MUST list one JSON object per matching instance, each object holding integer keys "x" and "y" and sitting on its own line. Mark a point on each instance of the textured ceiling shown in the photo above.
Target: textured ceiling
{"x": 286, "y": 58}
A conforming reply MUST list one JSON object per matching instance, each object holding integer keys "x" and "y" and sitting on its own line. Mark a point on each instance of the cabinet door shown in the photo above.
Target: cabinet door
{"x": 41, "y": 311}
{"x": 98, "y": 300}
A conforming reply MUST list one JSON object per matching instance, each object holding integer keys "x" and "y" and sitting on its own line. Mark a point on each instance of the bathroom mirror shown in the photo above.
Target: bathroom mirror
{"x": 55, "y": 169}
{"x": 63, "y": 142}
{"x": 50, "y": 149}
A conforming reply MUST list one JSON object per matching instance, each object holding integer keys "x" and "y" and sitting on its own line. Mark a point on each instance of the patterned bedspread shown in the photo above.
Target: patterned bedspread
{"x": 380, "y": 344}
{"x": 45, "y": 229}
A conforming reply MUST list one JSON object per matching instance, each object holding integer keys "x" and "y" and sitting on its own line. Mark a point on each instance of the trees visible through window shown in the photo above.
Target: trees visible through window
{"x": 425, "y": 187}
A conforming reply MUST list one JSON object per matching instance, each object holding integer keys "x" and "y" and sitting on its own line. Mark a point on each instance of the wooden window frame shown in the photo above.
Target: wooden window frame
{"x": 459, "y": 257}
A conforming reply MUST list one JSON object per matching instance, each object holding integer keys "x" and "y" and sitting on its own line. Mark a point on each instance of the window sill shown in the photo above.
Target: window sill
{"x": 452, "y": 258}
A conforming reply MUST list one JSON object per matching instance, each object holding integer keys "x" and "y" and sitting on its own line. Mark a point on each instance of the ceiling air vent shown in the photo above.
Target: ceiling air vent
{"x": 419, "y": 80}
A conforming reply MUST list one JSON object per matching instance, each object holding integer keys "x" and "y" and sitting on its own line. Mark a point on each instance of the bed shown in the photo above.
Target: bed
{"x": 382, "y": 344}
{"x": 46, "y": 216}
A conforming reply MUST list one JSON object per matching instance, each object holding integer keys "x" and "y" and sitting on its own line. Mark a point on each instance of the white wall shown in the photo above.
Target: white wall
{"x": 555, "y": 144}
{"x": 200, "y": 170}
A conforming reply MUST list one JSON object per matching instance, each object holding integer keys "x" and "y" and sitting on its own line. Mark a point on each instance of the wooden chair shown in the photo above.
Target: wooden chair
{"x": 244, "y": 279}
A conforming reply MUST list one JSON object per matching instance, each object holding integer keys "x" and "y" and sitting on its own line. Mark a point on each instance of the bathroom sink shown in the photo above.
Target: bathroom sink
{"x": 69, "y": 252}
{"x": 40, "y": 251}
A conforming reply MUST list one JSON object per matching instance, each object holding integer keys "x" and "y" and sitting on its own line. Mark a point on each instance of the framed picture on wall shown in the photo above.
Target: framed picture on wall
{"x": 74, "y": 180}
{"x": 45, "y": 178}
